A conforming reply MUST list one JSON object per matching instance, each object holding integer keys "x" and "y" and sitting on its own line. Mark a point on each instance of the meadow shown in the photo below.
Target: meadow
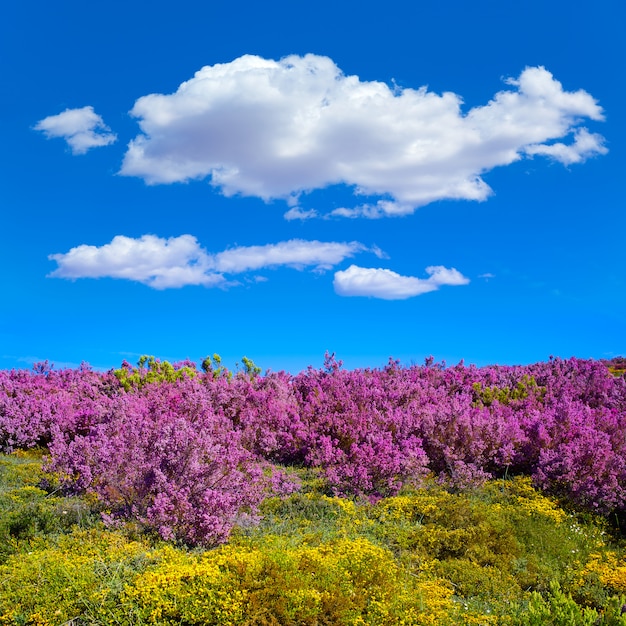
{"x": 175, "y": 494}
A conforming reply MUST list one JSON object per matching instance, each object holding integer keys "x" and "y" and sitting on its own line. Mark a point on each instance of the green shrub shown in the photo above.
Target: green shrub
{"x": 152, "y": 370}
{"x": 28, "y": 511}
{"x": 559, "y": 609}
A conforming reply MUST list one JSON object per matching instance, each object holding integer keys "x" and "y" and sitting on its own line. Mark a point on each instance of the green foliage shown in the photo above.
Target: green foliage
{"x": 213, "y": 365}
{"x": 494, "y": 545}
{"x": 559, "y": 609}
{"x": 152, "y": 370}
{"x": 250, "y": 368}
{"x": 525, "y": 388}
{"x": 26, "y": 510}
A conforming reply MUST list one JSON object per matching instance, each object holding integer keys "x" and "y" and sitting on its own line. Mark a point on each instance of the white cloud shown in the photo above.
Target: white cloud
{"x": 82, "y": 129}
{"x": 294, "y": 253}
{"x": 585, "y": 144}
{"x": 383, "y": 208}
{"x": 297, "y": 213}
{"x": 388, "y": 285}
{"x": 156, "y": 262}
{"x": 277, "y": 129}
{"x": 178, "y": 261}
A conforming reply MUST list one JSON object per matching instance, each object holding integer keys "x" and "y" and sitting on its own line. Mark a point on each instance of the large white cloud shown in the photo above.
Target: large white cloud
{"x": 275, "y": 129}
{"x": 82, "y": 129}
{"x": 178, "y": 261}
{"x": 389, "y": 285}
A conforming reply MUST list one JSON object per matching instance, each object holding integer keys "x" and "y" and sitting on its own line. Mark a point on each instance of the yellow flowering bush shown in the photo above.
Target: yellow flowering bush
{"x": 343, "y": 582}
{"x": 76, "y": 577}
{"x": 609, "y": 569}
{"x": 522, "y": 495}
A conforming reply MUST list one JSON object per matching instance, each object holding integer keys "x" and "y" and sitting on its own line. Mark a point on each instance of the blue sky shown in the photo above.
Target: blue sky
{"x": 280, "y": 179}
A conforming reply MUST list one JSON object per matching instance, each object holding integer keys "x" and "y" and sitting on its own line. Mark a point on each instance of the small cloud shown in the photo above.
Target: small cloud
{"x": 381, "y": 254}
{"x": 297, "y": 213}
{"x": 383, "y": 208}
{"x": 82, "y": 129}
{"x": 487, "y": 276}
{"x": 389, "y": 285}
{"x": 585, "y": 145}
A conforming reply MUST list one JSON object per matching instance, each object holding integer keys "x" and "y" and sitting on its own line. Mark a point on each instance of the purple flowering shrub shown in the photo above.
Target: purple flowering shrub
{"x": 164, "y": 458}
{"x": 585, "y": 458}
{"x": 579, "y": 438}
{"x": 563, "y": 422}
{"x": 186, "y": 453}
{"x": 468, "y": 444}
{"x": 264, "y": 409}
{"x": 37, "y": 405}
{"x": 356, "y": 432}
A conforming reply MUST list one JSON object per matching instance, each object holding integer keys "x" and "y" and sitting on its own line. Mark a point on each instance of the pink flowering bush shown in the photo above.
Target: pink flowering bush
{"x": 356, "y": 432}
{"x": 36, "y": 405}
{"x": 264, "y": 409}
{"x": 164, "y": 458}
{"x": 585, "y": 458}
{"x": 187, "y": 453}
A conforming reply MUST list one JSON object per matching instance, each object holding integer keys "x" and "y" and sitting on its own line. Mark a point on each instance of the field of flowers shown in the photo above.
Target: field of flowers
{"x": 171, "y": 494}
